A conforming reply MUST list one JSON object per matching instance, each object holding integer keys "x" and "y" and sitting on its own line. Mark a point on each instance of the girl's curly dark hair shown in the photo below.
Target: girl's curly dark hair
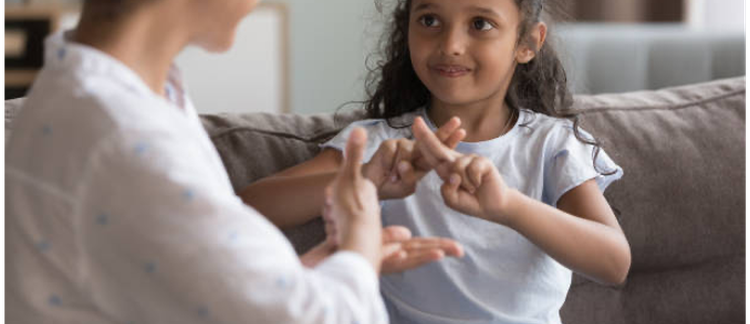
{"x": 541, "y": 85}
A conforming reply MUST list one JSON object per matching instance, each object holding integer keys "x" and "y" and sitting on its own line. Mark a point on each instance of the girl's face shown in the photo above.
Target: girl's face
{"x": 464, "y": 51}
{"x": 214, "y": 22}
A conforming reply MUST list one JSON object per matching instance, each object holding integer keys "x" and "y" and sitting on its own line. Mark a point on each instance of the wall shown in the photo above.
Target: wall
{"x": 716, "y": 14}
{"x": 247, "y": 76}
{"x": 328, "y": 47}
{"x": 329, "y": 41}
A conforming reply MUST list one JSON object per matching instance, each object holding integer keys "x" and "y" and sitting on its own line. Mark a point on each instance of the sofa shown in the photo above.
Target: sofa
{"x": 681, "y": 202}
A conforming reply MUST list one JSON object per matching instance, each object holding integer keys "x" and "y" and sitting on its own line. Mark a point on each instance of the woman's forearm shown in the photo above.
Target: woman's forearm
{"x": 590, "y": 248}
{"x": 288, "y": 201}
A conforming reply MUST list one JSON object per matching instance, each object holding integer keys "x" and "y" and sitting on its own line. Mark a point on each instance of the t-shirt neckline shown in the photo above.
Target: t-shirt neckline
{"x": 470, "y": 147}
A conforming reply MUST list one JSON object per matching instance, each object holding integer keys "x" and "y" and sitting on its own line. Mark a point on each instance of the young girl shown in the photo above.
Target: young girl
{"x": 524, "y": 188}
{"x": 120, "y": 210}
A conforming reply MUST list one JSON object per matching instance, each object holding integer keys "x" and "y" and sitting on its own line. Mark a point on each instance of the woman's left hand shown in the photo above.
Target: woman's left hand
{"x": 415, "y": 252}
{"x": 400, "y": 251}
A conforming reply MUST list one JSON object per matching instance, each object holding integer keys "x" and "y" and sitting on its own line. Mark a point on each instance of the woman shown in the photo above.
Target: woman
{"x": 120, "y": 210}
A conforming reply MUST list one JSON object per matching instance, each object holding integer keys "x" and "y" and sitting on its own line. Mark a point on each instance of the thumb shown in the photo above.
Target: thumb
{"x": 355, "y": 148}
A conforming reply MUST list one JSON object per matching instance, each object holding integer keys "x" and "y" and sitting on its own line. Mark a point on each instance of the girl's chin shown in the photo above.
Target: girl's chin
{"x": 454, "y": 99}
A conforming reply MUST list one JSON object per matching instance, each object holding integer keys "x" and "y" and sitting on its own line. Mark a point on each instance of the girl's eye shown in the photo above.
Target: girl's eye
{"x": 481, "y": 24}
{"x": 429, "y": 21}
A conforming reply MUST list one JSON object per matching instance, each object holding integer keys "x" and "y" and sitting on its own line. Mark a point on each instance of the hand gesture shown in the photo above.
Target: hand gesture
{"x": 399, "y": 251}
{"x": 472, "y": 184}
{"x": 397, "y": 165}
{"x": 352, "y": 204}
{"x": 402, "y": 252}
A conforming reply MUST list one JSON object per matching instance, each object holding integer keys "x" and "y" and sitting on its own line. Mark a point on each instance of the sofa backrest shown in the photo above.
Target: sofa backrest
{"x": 681, "y": 202}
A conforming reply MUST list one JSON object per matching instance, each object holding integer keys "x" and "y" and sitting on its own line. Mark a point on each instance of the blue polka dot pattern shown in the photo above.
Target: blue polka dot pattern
{"x": 43, "y": 246}
{"x": 102, "y": 219}
{"x": 203, "y": 312}
{"x": 188, "y": 195}
{"x": 46, "y": 130}
{"x": 281, "y": 282}
{"x": 168, "y": 92}
{"x": 150, "y": 267}
{"x": 61, "y": 53}
{"x": 141, "y": 148}
{"x": 54, "y": 300}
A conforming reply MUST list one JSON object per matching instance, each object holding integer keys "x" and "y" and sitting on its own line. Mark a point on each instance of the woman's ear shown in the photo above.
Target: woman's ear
{"x": 528, "y": 49}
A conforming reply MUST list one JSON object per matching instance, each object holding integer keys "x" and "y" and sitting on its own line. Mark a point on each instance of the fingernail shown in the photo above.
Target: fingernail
{"x": 394, "y": 178}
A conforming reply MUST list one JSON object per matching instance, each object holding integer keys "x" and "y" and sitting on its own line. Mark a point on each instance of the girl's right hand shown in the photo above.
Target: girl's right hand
{"x": 398, "y": 165}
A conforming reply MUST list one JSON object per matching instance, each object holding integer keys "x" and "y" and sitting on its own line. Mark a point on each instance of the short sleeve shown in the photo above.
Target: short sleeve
{"x": 570, "y": 162}
{"x": 167, "y": 241}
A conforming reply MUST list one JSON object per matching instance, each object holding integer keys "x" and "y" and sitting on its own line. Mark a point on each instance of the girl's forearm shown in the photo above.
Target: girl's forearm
{"x": 593, "y": 249}
{"x": 288, "y": 201}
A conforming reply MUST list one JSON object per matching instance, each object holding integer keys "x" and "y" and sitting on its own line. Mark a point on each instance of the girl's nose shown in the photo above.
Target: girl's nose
{"x": 453, "y": 42}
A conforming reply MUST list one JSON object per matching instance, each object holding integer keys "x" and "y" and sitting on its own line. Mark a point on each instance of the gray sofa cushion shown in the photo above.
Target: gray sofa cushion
{"x": 681, "y": 203}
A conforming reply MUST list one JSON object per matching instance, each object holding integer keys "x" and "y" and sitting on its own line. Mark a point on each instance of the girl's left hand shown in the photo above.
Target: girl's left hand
{"x": 472, "y": 184}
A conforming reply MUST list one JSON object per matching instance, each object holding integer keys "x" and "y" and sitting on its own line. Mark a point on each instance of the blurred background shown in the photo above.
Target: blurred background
{"x": 306, "y": 57}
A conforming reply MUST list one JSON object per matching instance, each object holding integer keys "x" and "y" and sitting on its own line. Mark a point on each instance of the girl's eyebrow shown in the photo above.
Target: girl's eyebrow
{"x": 487, "y": 11}
{"x": 477, "y": 9}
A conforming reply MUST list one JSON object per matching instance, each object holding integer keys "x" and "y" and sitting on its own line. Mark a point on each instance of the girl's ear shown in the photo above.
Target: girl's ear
{"x": 528, "y": 49}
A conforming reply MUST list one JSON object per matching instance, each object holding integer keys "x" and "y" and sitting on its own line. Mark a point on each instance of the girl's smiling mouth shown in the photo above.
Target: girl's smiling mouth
{"x": 450, "y": 70}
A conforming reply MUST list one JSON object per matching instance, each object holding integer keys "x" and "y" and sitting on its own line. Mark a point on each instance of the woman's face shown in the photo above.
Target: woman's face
{"x": 214, "y": 22}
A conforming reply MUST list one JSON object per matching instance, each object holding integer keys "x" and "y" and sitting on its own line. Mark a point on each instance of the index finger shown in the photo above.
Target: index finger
{"x": 355, "y": 150}
{"x": 431, "y": 145}
{"x": 395, "y": 234}
{"x": 443, "y": 132}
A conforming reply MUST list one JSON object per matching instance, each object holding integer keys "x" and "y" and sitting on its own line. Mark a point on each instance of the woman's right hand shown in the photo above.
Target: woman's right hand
{"x": 352, "y": 204}
{"x": 398, "y": 165}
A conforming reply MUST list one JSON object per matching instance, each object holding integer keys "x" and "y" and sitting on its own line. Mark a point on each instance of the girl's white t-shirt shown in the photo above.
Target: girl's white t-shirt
{"x": 503, "y": 278}
{"x": 119, "y": 210}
